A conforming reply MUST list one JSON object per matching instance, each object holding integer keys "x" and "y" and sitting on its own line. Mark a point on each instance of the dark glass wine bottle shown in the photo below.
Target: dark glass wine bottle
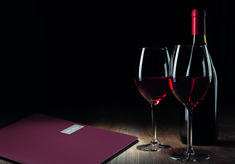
{"x": 205, "y": 123}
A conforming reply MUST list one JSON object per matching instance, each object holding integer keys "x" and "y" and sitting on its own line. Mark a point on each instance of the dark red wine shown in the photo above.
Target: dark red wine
{"x": 189, "y": 90}
{"x": 153, "y": 89}
{"x": 205, "y": 122}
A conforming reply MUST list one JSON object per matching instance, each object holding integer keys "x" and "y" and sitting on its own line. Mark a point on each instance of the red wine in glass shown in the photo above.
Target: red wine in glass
{"x": 153, "y": 89}
{"x": 191, "y": 75}
{"x": 190, "y": 90}
{"x": 152, "y": 83}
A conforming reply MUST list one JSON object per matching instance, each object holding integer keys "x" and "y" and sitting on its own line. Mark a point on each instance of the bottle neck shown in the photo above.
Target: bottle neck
{"x": 199, "y": 39}
{"x": 199, "y": 27}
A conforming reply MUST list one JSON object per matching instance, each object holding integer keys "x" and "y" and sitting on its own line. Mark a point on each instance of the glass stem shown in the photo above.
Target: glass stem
{"x": 190, "y": 150}
{"x": 154, "y": 123}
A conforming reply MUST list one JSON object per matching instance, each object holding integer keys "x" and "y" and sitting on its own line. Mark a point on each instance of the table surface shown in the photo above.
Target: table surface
{"x": 138, "y": 123}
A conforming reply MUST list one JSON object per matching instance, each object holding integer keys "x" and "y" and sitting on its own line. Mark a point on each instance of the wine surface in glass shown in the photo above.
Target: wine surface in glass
{"x": 189, "y": 90}
{"x": 153, "y": 89}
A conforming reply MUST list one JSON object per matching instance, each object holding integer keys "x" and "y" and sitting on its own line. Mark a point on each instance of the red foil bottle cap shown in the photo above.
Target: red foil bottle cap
{"x": 195, "y": 22}
{"x": 195, "y": 13}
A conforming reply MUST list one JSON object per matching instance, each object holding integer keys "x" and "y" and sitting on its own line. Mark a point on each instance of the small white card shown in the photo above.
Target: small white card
{"x": 72, "y": 129}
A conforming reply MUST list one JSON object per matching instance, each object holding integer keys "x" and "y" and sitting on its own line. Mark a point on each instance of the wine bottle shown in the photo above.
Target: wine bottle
{"x": 205, "y": 123}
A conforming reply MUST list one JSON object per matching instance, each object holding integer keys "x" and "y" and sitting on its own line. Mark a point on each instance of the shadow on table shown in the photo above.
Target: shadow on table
{"x": 8, "y": 160}
{"x": 226, "y": 143}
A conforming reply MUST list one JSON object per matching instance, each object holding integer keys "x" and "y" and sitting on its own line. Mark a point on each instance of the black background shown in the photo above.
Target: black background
{"x": 84, "y": 56}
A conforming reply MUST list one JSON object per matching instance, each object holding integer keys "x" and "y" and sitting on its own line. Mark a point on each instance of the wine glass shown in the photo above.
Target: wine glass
{"x": 152, "y": 83}
{"x": 191, "y": 75}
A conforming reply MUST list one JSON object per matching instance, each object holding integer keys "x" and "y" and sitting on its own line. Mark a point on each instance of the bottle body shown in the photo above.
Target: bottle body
{"x": 205, "y": 122}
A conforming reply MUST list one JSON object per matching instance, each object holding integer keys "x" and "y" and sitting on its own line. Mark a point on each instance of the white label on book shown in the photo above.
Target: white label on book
{"x": 72, "y": 129}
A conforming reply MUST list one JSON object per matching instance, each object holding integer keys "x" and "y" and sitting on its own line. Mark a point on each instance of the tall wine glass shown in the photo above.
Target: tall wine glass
{"x": 191, "y": 75}
{"x": 152, "y": 83}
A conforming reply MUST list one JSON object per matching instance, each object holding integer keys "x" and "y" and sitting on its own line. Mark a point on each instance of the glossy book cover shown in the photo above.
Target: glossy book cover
{"x": 41, "y": 139}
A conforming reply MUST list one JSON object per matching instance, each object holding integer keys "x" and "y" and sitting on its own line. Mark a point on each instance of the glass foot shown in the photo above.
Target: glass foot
{"x": 183, "y": 156}
{"x": 154, "y": 147}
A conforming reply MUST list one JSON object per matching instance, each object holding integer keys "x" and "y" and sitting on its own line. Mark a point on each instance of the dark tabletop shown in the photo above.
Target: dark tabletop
{"x": 136, "y": 121}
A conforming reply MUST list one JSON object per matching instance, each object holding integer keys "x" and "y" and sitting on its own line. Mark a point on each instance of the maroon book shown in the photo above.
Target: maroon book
{"x": 40, "y": 139}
